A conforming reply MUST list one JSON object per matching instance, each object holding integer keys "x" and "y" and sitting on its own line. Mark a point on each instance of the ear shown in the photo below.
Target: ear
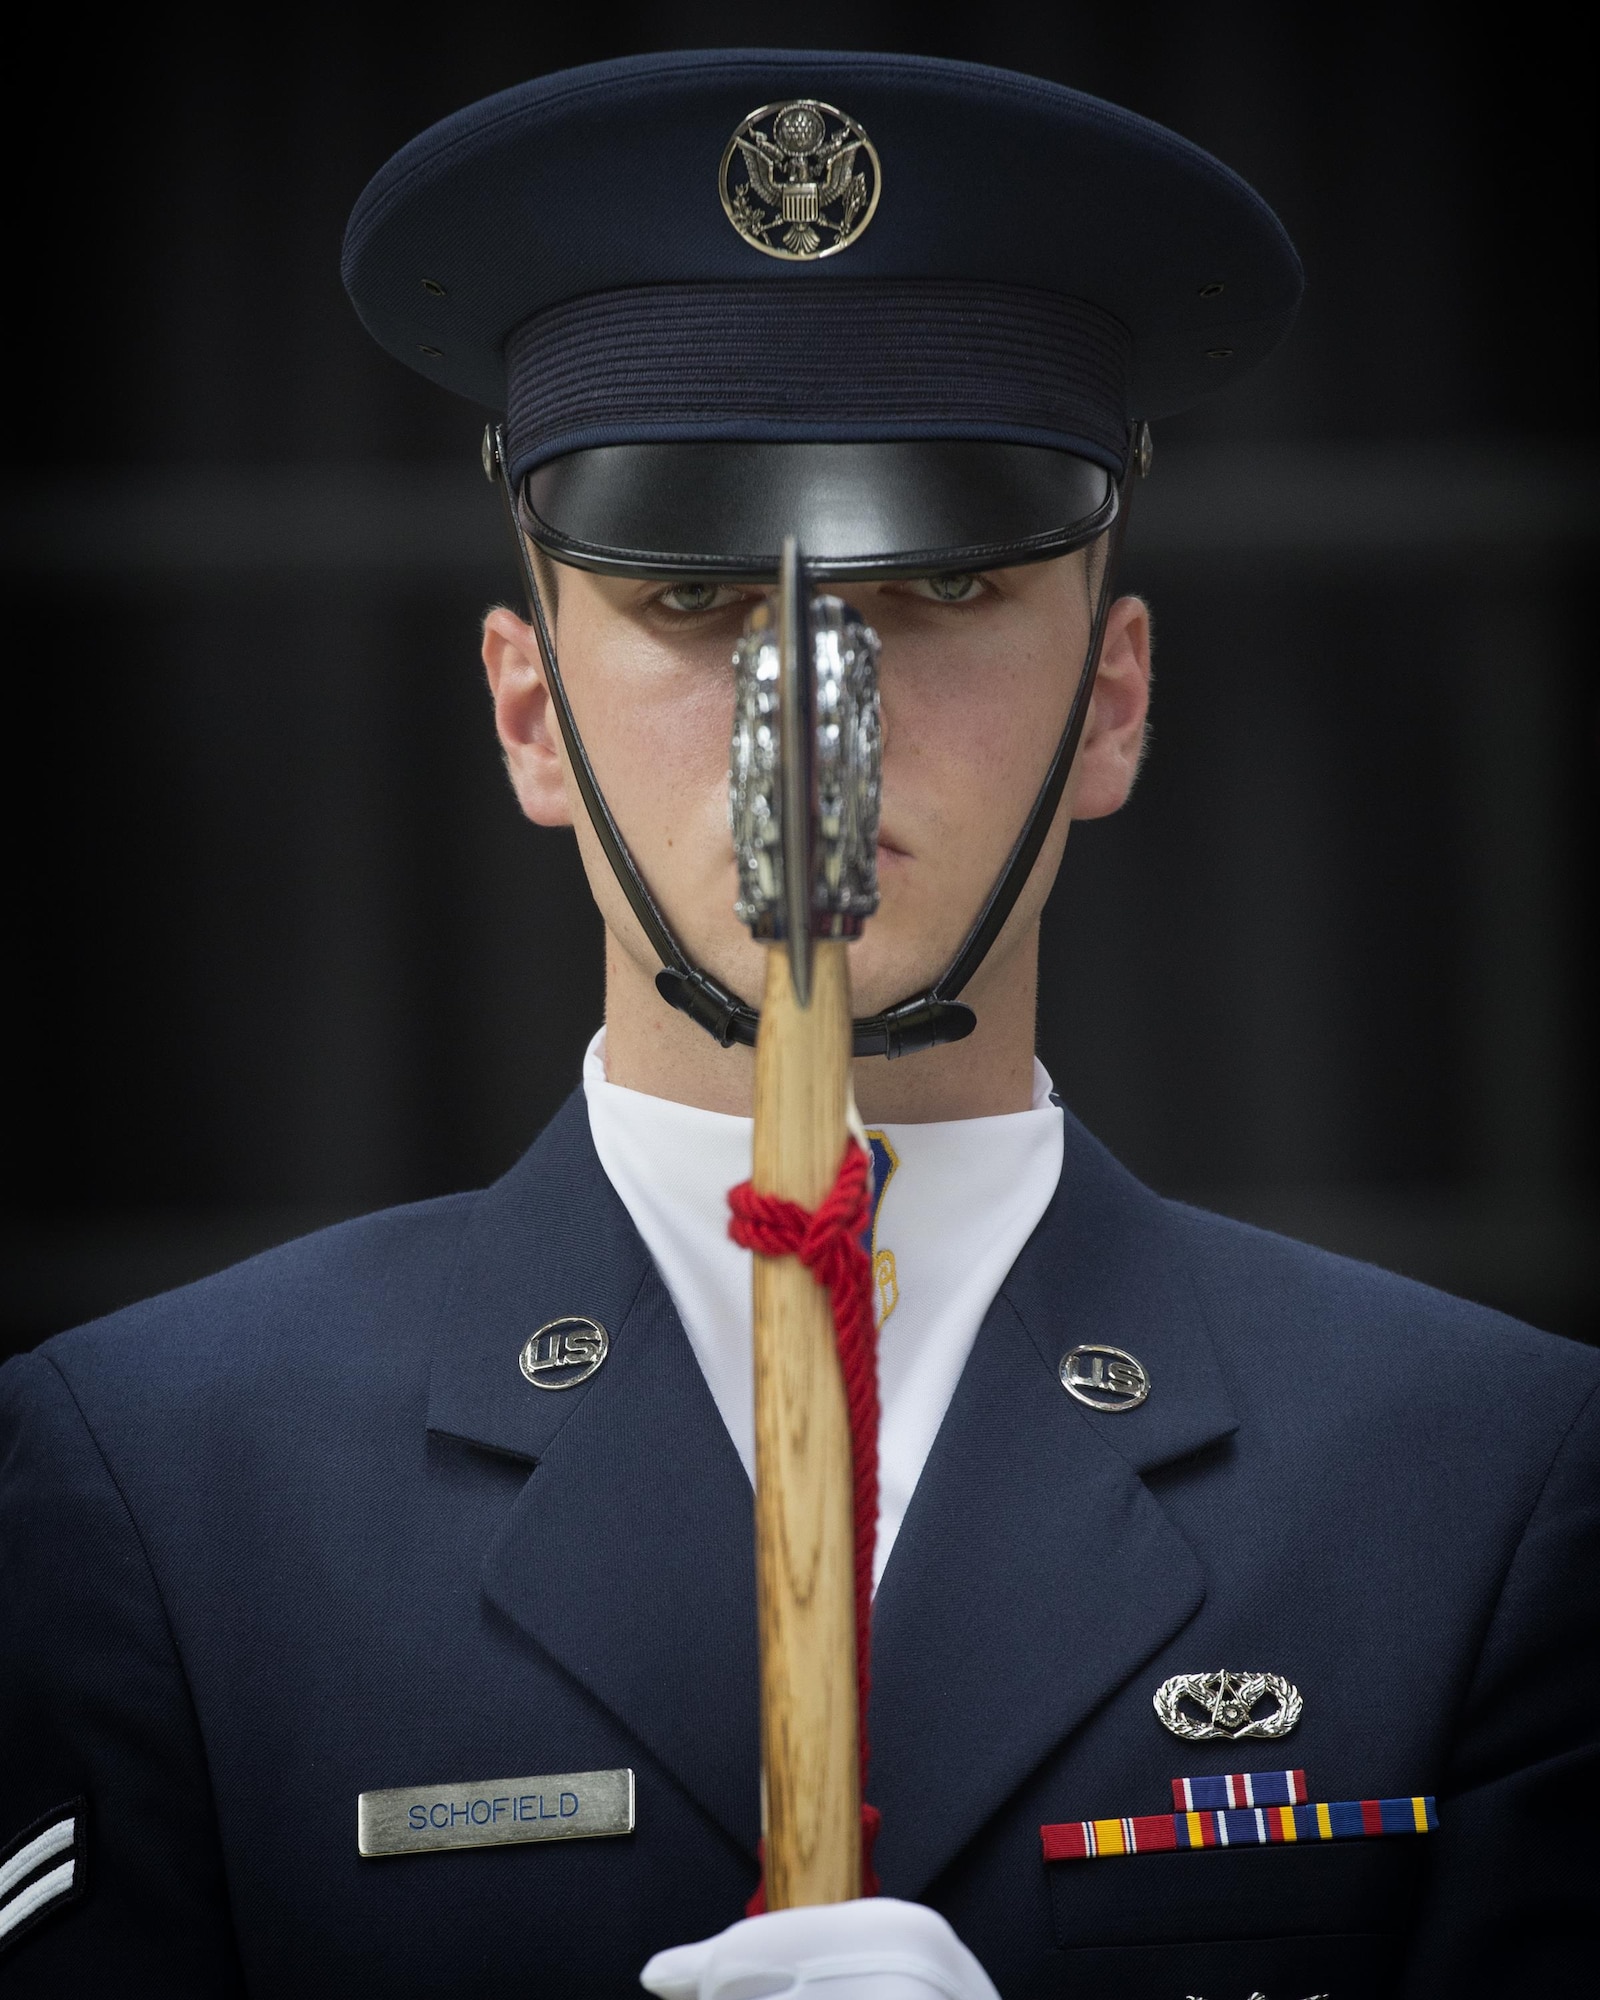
{"x": 524, "y": 719}
{"x": 1114, "y": 729}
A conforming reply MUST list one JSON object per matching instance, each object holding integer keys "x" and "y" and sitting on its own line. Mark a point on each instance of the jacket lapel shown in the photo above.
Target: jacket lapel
{"x": 1033, "y": 1575}
{"x": 629, "y": 1554}
{"x": 1035, "y": 1572}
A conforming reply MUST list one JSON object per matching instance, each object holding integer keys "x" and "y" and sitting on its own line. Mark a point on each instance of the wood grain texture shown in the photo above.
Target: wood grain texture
{"x": 804, "y": 1535}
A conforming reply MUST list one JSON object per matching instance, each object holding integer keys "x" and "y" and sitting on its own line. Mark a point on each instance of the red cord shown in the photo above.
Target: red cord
{"x": 828, "y": 1243}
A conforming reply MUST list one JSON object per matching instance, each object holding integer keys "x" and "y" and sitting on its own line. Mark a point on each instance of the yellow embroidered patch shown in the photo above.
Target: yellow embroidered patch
{"x": 883, "y": 1276}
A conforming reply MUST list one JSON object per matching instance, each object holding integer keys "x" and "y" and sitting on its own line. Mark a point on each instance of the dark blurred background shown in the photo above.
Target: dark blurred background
{"x": 289, "y": 951}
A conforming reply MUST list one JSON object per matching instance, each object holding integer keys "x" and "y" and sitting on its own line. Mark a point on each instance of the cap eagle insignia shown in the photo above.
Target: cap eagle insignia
{"x": 799, "y": 180}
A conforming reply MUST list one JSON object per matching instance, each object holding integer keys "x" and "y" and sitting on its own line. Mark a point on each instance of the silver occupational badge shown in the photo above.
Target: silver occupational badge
{"x": 1229, "y": 1705}
{"x": 571, "y": 1805}
{"x": 799, "y": 180}
{"x": 1104, "y": 1378}
{"x": 564, "y": 1352}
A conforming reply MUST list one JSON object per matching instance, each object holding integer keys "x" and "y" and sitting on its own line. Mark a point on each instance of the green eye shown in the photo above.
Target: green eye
{"x": 953, "y": 589}
{"x": 691, "y": 596}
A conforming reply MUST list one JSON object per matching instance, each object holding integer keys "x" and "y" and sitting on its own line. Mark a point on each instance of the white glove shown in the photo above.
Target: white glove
{"x": 876, "y": 1949}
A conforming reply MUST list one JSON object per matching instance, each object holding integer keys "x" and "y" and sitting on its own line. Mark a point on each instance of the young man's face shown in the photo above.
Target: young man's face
{"x": 976, "y": 674}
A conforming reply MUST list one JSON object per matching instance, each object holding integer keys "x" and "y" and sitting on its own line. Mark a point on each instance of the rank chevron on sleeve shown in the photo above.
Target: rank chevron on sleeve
{"x": 42, "y": 1869}
{"x": 1250, "y": 1809}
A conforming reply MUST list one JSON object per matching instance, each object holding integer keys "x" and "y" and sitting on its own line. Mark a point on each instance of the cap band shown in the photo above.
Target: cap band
{"x": 818, "y": 360}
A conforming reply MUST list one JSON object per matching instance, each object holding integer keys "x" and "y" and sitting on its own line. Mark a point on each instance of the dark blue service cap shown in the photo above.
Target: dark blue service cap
{"x": 906, "y": 309}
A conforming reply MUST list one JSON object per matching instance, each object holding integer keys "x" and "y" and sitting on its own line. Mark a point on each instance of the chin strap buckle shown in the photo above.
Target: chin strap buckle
{"x": 725, "y": 1019}
{"x": 922, "y": 1023}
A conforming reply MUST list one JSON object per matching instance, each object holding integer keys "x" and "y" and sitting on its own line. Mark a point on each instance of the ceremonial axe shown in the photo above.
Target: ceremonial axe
{"x": 803, "y": 803}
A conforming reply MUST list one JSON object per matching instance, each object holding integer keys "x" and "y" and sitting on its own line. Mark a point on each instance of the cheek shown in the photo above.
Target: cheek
{"x": 657, "y": 729}
{"x": 963, "y": 733}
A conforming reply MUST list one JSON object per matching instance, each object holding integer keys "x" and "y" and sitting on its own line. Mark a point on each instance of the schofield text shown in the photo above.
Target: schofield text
{"x": 488, "y": 1812}
{"x": 419, "y": 1819}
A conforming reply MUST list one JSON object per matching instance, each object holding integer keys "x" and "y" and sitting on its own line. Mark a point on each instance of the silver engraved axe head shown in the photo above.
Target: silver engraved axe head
{"x": 804, "y": 770}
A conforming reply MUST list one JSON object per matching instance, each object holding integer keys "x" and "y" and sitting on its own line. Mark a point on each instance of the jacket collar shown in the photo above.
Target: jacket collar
{"x": 1035, "y": 1572}
{"x": 629, "y": 1554}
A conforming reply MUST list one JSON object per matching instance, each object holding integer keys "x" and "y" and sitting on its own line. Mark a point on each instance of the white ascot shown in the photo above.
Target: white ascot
{"x": 962, "y": 1200}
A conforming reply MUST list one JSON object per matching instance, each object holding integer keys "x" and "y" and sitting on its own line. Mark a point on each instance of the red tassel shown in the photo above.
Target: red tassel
{"x": 828, "y": 1243}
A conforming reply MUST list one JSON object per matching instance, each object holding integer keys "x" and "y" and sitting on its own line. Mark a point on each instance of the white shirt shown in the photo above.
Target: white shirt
{"x": 962, "y": 1199}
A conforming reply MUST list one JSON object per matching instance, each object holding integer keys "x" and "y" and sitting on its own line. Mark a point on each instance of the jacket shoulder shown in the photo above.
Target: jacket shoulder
{"x": 314, "y": 1306}
{"x": 1287, "y": 1311}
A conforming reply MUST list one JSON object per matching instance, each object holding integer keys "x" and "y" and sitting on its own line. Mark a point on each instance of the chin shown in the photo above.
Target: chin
{"x": 882, "y": 974}
{"x": 889, "y": 963}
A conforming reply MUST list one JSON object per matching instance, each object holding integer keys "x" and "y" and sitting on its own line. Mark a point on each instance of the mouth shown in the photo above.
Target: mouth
{"x": 889, "y": 849}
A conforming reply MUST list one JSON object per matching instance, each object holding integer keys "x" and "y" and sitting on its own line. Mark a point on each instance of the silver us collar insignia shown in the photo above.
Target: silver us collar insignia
{"x": 420, "y": 1819}
{"x": 799, "y": 180}
{"x": 1230, "y": 1701}
{"x": 564, "y": 1352}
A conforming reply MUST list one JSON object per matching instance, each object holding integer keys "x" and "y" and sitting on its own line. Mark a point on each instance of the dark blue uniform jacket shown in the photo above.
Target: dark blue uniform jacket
{"x": 303, "y": 1530}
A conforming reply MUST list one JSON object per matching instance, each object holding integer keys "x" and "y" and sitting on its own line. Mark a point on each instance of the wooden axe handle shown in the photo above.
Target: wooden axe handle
{"x": 805, "y": 1589}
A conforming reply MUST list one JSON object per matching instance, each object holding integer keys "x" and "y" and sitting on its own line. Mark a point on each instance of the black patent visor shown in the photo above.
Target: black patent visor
{"x": 894, "y": 508}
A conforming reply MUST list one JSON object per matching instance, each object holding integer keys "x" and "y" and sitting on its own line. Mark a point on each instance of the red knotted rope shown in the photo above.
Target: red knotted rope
{"x": 828, "y": 1242}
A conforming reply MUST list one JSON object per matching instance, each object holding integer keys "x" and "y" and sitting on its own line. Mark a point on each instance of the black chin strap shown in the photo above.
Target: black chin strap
{"x": 926, "y": 1019}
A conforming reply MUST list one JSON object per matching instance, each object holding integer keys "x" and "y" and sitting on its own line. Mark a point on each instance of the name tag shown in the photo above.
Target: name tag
{"x": 572, "y": 1805}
